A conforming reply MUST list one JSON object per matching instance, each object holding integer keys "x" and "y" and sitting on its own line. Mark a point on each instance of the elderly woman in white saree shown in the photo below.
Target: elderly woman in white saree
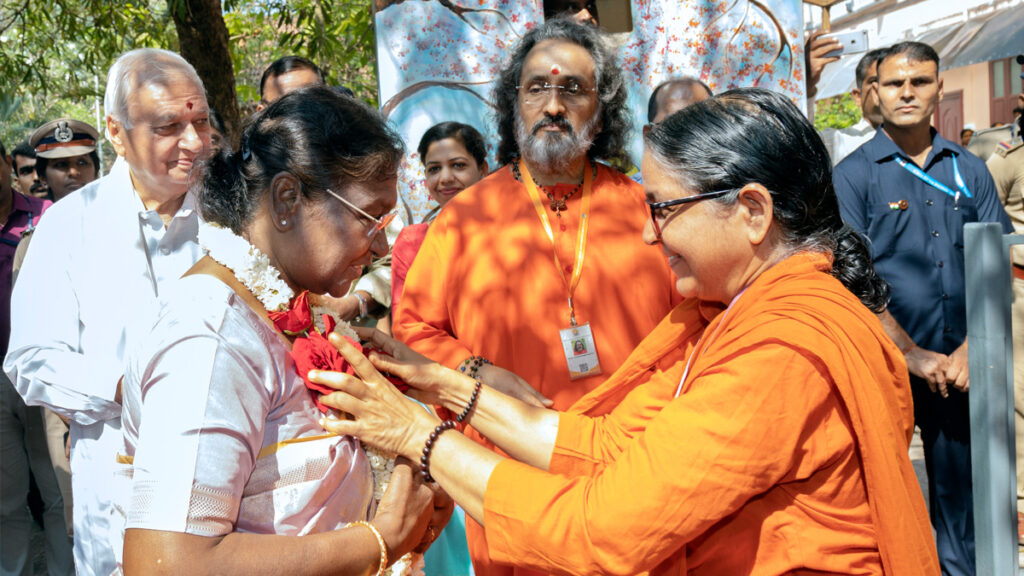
{"x": 231, "y": 471}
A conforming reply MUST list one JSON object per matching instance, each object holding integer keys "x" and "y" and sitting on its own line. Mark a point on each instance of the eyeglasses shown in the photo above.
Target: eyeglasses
{"x": 658, "y": 208}
{"x": 378, "y": 223}
{"x": 572, "y": 93}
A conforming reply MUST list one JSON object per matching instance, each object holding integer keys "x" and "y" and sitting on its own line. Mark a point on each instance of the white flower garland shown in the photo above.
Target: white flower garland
{"x": 252, "y": 267}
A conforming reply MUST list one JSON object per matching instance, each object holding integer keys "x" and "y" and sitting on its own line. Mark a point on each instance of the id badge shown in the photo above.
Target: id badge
{"x": 580, "y": 351}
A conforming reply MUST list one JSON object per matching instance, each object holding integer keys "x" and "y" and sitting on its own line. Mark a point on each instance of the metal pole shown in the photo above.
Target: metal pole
{"x": 993, "y": 459}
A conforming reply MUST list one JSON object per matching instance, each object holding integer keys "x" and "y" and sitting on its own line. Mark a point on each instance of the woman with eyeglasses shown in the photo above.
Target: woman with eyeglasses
{"x": 231, "y": 471}
{"x": 762, "y": 428}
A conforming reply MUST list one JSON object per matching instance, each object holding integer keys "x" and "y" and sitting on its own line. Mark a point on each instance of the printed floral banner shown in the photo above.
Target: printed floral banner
{"x": 437, "y": 60}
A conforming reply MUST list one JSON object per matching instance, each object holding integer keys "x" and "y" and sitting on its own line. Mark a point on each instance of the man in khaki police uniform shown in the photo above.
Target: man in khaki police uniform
{"x": 1007, "y": 167}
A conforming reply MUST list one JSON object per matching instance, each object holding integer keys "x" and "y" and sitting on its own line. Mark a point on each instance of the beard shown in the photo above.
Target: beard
{"x": 555, "y": 152}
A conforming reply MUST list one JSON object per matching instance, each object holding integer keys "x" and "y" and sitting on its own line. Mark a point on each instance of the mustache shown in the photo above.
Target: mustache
{"x": 558, "y": 121}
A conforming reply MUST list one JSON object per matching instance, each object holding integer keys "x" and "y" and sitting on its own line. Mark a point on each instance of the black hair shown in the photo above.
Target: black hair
{"x": 3, "y": 151}
{"x": 611, "y": 91}
{"x": 286, "y": 64}
{"x": 556, "y": 8}
{"x": 965, "y": 131}
{"x": 42, "y": 163}
{"x": 217, "y": 123}
{"x": 914, "y": 51}
{"x": 464, "y": 134}
{"x": 324, "y": 139}
{"x": 753, "y": 135}
{"x": 867, "y": 61}
{"x": 22, "y": 149}
{"x": 652, "y": 102}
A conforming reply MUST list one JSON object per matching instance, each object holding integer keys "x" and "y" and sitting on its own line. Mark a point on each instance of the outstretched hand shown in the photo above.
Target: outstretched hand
{"x": 382, "y": 416}
{"x": 507, "y": 382}
{"x": 423, "y": 375}
{"x": 428, "y": 377}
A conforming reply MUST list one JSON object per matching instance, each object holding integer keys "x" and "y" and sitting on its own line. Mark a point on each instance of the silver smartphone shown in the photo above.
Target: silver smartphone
{"x": 852, "y": 42}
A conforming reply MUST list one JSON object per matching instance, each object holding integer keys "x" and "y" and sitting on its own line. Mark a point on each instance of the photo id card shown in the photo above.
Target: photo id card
{"x": 580, "y": 351}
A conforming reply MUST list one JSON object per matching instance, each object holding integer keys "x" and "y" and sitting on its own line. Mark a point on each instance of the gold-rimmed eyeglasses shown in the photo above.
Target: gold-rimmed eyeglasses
{"x": 378, "y": 223}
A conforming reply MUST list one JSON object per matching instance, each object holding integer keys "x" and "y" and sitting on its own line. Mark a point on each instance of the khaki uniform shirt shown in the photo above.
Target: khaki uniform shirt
{"x": 1007, "y": 167}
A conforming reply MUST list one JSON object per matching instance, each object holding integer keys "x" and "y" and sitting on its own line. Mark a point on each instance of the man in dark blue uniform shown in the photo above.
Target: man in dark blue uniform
{"x": 910, "y": 191}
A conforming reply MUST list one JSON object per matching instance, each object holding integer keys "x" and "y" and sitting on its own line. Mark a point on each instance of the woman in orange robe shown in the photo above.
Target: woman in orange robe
{"x": 761, "y": 428}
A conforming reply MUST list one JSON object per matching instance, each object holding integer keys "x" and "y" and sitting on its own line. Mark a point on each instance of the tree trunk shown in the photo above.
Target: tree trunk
{"x": 203, "y": 38}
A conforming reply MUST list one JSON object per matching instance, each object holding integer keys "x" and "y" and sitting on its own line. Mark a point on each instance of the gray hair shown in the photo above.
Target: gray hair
{"x": 611, "y": 89}
{"x": 137, "y": 68}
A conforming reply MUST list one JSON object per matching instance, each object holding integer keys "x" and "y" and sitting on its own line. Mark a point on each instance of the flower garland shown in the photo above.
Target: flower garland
{"x": 252, "y": 267}
{"x": 311, "y": 350}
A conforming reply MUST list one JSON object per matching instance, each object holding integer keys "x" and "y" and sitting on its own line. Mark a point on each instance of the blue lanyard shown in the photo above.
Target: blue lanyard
{"x": 927, "y": 179}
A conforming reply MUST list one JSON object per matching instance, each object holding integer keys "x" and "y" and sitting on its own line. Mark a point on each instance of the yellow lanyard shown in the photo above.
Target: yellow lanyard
{"x": 581, "y": 244}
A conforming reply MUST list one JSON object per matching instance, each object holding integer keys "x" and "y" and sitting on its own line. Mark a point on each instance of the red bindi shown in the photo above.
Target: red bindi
{"x": 189, "y": 105}
{"x": 555, "y": 70}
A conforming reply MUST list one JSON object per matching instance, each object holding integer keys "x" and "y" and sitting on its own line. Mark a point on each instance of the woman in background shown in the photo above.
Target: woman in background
{"x": 455, "y": 157}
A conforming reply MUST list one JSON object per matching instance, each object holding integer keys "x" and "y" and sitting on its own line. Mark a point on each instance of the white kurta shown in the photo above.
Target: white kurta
{"x": 95, "y": 267}
{"x": 222, "y": 433}
{"x": 842, "y": 142}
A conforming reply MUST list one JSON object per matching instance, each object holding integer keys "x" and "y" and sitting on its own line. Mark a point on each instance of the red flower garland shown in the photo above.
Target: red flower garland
{"x": 312, "y": 351}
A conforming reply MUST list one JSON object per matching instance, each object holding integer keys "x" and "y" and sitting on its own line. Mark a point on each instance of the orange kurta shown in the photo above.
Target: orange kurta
{"x": 786, "y": 452}
{"x": 485, "y": 283}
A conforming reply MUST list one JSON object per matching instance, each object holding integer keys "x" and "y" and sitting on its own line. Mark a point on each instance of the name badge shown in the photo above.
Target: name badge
{"x": 580, "y": 351}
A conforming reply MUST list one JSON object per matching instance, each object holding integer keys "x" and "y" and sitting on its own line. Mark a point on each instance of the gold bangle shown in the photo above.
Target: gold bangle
{"x": 380, "y": 541}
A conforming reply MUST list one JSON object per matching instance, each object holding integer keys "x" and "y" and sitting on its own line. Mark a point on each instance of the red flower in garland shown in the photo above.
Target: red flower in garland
{"x": 312, "y": 351}
{"x": 297, "y": 319}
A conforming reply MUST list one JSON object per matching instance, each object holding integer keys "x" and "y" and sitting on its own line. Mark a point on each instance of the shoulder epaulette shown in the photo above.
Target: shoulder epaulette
{"x": 1005, "y": 147}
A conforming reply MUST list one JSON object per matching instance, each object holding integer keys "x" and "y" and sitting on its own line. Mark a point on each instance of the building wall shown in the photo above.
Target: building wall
{"x": 974, "y": 81}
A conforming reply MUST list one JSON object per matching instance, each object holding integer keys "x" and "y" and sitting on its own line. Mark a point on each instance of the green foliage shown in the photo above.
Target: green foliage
{"x": 838, "y": 112}
{"x": 54, "y": 55}
{"x": 337, "y": 35}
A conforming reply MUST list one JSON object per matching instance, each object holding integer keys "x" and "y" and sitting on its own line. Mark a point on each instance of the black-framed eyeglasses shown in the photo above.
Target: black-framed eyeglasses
{"x": 658, "y": 209}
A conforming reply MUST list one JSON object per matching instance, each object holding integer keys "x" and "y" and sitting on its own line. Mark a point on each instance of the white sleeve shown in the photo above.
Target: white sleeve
{"x": 204, "y": 406}
{"x": 44, "y": 358}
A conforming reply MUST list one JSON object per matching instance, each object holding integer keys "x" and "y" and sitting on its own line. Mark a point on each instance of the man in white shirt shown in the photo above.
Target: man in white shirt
{"x": 96, "y": 264}
{"x": 843, "y": 141}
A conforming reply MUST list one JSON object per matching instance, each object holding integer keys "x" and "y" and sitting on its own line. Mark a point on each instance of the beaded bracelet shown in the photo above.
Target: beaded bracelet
{"x": 380, "y": 541}
{"x": 473, "y": 364}
{"x": 425, "y": 458}
{"x": 472, "y": 402}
